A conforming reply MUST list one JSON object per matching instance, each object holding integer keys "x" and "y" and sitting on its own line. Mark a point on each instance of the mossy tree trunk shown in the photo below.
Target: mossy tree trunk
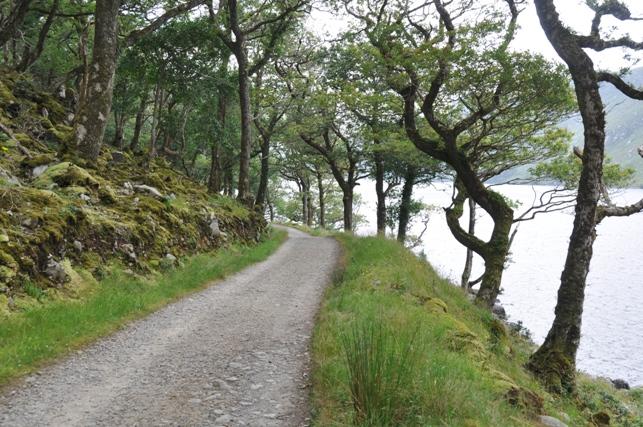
{"x": 554, "y": 362}
{"x": 91, "y": 120}
{"x": 404, "y": 214}
{"x": 495, "y": 251}
{"x": 468, "y": 263}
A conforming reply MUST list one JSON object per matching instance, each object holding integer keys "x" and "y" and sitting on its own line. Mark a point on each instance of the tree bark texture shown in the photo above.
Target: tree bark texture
{"x": 404, "y": 214}
{"x": 555, "y": 361}
{"x": 91, "y": 120}
{"x": 468, "y": 263}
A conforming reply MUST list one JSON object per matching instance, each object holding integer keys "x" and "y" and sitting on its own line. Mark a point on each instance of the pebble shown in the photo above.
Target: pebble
{"x": 223, "y": 419}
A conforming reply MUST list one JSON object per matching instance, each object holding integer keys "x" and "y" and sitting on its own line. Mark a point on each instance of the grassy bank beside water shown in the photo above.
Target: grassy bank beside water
{"x": 396, "y": 345}
{"x": 53, "y": 328}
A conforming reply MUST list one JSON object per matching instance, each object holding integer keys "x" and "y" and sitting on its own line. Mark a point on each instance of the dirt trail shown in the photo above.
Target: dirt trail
{"x": 234, "y": 354}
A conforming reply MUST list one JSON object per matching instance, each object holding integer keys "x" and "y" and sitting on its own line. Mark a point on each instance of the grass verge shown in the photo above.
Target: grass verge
{"x": 396, "y": 345}
{"x": 39, "y": 334}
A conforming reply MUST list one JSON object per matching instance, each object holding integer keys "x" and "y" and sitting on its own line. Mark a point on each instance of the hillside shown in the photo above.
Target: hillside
{"x": 397, "y": 345}
{"x": 62, "y": 225}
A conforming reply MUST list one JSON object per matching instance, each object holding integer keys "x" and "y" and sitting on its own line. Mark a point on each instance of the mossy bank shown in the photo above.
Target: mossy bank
{"x": 396, "y": 345}
{"x": 63, "y": 224}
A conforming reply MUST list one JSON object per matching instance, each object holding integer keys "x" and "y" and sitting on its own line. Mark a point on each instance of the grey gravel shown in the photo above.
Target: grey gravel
{"x": 234, "y": 354}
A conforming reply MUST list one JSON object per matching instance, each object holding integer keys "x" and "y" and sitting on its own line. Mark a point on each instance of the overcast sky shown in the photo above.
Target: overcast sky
{"x": 530, "y": 36}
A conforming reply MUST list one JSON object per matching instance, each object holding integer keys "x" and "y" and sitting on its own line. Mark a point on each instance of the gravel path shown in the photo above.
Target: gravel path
{"x": 235, "y": 354}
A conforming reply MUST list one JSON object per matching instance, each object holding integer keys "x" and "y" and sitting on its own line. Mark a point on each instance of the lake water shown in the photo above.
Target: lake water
{"x": 612, "y": 341}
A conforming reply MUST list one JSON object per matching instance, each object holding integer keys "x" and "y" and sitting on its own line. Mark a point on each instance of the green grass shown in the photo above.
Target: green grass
{"x": 396, "y": 345}
{"x": 39, "y": 334}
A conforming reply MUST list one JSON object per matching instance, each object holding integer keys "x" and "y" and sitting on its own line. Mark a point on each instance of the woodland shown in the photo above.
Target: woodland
{"x": 240, "y": 98}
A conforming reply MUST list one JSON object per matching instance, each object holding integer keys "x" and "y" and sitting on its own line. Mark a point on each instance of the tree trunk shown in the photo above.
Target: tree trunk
{"x": 246, "y": 126}
{"x": 322, "y": 201}
{"x": 347, "y": 201}
{"x": 138, "y": 123}
{"x": 381, "y": 194}
{"x": 304, "y": 201}
{"x": 156, "y": 113}
{"x": 555, "y": 361}
{"x": 405, "y": 204}
{"x": 468, "y": 263}
{"x": 494, "y": 252}
{"x": 119, "y": 126}
{"x": 214, "y": 180}
{"x": 265, "y": 170}
{"x": 228, "y": 182}
{"x": 311, "y": 209}
{"x": 91, "y": 120}
{"x": 271, "y": 208}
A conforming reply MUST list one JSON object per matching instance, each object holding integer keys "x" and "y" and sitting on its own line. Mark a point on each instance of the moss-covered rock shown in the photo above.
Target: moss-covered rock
{"x": 66, "y": 174}
{"x": 38, "y": 160}
{"x": 461, "y": 339}
{"x": 436, "y": 305}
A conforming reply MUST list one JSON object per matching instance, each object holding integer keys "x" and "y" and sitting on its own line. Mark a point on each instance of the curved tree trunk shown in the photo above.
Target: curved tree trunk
{"x": 495, "y": 251}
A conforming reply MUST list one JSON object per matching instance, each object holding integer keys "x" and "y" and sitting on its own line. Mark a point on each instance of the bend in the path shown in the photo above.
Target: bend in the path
{"x": 233, "y": 354}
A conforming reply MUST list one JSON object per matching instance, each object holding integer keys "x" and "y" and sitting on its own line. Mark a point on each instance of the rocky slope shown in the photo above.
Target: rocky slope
{"x": 63, "y": 225}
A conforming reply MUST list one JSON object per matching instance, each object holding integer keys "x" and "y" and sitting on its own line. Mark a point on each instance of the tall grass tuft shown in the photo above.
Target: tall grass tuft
{"x": 380, "y": 363}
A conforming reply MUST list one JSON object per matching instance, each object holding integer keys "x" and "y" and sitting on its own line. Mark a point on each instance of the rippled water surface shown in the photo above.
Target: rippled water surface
{"x": 612, "y": 342}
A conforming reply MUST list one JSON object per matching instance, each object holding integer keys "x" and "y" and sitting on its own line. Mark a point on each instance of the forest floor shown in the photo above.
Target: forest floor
{"x": 233, "y": 354}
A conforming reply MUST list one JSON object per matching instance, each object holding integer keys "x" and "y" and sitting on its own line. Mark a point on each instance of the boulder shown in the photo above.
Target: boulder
{"x": 436, "y": 305}
{"x": 524, "y": 398}
{"x": 118, "y": 157}
{"x": 55, "y": 271}
{"x": 620, "y": 384}
{"x": 7, "y": 178}
{"x": 215, "y": 231}
{"x": 171, "y": 258}
{"x": 128, "y": 249}
{"x": 601, "y": 419}
{"x": 78, "y": 246}
{"x": 499, "y": 311}
{"x": 150, "y": 191}
{"x": 128, "y": 189}
{"x": 548, "y": 421}
{"x": 65, "y": 174}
